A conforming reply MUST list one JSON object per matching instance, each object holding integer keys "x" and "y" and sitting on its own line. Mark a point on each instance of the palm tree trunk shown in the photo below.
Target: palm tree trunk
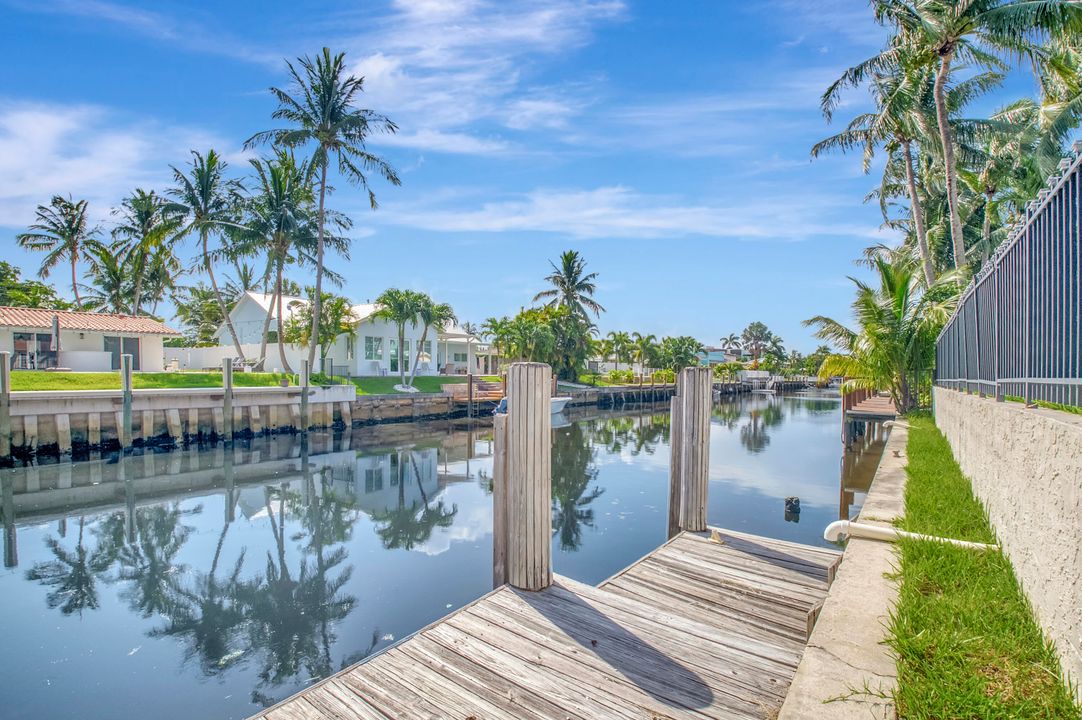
{"x": 401, "y": 354}
{"x": 74, "y": 277}
{"x": 281, "y": 326}
{"x": 417, "y": 355}
{"x": 943, "y": 118}
{"x": 986, "y": 229}
{"x": 317, "y": 300}
{"x": 218, "y": 295}
{"x": 266, "y": 329}
{"x": 138, "y": 289}
{"x": 917, "y": 211}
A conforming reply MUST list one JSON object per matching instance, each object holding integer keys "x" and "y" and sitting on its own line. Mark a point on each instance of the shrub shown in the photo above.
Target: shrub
{"x": 664, "y": 376}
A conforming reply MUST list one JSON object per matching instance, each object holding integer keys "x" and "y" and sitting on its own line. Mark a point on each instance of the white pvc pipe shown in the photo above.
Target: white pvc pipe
{"x": 835, "y": 530}
{"x": 896, "y": 423}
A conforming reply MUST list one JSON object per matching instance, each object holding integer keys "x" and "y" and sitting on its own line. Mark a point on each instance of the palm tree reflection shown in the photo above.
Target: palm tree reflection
{"x": 572, "y": 475}
{"x": 73, "y": 574}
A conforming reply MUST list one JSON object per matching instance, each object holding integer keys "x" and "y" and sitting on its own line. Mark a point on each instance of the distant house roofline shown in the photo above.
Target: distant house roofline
{"x": 42, "y": 319}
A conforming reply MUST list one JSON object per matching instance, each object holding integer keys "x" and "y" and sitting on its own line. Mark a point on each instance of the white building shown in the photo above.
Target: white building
{"x": 88, "y": 342}
{"x": 372, "y": 350}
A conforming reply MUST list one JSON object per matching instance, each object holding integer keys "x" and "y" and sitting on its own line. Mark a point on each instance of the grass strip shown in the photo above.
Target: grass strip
{"x": 965, "y": 637}
{"x": 384, "y": 385}
{"x": 41, "y": 380}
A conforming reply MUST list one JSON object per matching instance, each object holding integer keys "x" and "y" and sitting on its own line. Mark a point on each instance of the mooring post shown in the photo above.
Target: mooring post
{"x": 469, "y": 394}
{"x": 499, "y": 500}
{"x": 227, "y": 399}
{"x": 675, "y": 476}
{"x": 529, "y": 476}
{"x": 305, "y": 381}
{"x": 5, "y": 404}
{"x": 693, "y": 388}
{"x": 124, "y": 431}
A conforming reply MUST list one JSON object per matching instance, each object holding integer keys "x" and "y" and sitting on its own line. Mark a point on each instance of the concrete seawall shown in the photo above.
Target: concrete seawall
{"x": 56, "y": 422}
{"x": 1026, "y": 467}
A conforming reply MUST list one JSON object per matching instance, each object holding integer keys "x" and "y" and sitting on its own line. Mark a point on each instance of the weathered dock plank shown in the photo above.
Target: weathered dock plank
{"x": 703, "y": 627}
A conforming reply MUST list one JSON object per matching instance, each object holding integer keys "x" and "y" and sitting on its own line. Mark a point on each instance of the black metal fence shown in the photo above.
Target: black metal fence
{"x": 1018, "y": 325}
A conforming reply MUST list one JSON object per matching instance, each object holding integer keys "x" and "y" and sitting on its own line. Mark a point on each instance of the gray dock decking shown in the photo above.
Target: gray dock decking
{"x": 696, "y": 629}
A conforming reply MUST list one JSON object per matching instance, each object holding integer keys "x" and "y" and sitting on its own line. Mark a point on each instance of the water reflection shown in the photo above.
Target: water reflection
{"x": 235, "y": 577}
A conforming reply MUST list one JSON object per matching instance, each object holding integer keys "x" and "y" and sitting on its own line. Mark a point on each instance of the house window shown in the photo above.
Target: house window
{"x": 461, "y": 357}
{"x": 373, "y": 479}
{"x": 373, "y": 348}
{"x": 405, "y": 355}
{"x": 426, "y": 351}
{"x": 32, "y": 351}
{"x": 118, "y": 346}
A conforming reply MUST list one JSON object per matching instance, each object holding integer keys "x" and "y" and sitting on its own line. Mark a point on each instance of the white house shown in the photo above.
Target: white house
{"x": 373, "y": 349}
{"x": 88, "y": 341}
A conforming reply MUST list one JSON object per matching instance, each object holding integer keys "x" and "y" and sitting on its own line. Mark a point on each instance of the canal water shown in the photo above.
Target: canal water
{"x": 207, "y": 583}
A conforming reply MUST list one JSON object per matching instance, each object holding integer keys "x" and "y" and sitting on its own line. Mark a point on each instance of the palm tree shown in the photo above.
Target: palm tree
{"x": 280, "y": 220}
{"x": 322, "y": 112}
{"x": 644, "y": 347}
{"x": 677, "y": 353}
{"x": 730, "y": 343}
{"x": 893, "y": 345}
{"x": 497, "y": 330}
{"x": 897, "y": 123}
{"x": 399, "y": 307}
{"x": 976, "y": 32}
{"x": 620, "y": 346}
{"x": 430, "y": 314}
{"x": 198, "y": 311}
{"x": 756, "y": 338}
{"x": 571, "y": 287}
{"x": 208, "y": 201}
{"x": 111, "y": 277}
{"x": 471, "y": 329}
{"x": 147, "y": 224}
{"x": 62, "y": 232}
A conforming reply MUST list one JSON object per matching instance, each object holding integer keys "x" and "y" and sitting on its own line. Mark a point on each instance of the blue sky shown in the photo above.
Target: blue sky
{"x": 668, "y": 142}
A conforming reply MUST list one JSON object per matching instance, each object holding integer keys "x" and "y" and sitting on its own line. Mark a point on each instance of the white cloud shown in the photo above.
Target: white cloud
{"x": 621, "y": 212}
{"x": 83, "y": 150}
{"x": 446, "y": 142}
{"x": 181, "y": 31}
{"x": 442, "y": 67}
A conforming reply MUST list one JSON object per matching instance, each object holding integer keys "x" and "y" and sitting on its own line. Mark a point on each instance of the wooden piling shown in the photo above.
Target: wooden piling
{"x": 499, "y": 500}
{"x": 529, "y": 476}
{"x": 124, "y": 431}
{"x": 694, "y": 390}
{"x": 5, "y": 404}
{"x": 469, "y": 395}
{"x": 676, "y": 483}
{"x": 227, "y": 399}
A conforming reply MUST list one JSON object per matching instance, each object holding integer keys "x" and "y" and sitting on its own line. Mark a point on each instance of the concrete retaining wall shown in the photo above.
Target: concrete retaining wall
{"x": 1026, "y": 467}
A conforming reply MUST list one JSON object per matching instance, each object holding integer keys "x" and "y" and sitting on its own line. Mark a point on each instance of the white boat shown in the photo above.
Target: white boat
{"x": 556, "y": 405}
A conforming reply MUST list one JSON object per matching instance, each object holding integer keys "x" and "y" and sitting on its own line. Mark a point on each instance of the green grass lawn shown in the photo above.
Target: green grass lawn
{"x": 964, "y": 634}
{"x": 39, "y": 380}
{"x": 424, "y": 383}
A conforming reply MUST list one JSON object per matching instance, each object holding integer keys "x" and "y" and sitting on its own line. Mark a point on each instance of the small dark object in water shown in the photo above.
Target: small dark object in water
{"x": 792, "y": 505}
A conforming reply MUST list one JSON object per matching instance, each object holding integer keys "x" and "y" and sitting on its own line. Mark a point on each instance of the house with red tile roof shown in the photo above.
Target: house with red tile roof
{"x": 86, "y": 341}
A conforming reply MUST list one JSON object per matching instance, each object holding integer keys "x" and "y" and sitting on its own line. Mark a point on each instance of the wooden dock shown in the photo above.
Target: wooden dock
{"x": 709, "y": 625}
